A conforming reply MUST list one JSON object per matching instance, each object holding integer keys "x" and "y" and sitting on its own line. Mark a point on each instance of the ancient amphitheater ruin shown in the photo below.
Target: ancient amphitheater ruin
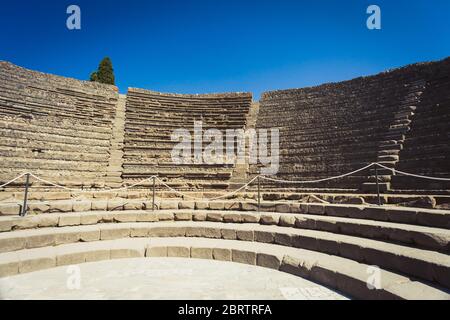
{"x": 364, "y": 179}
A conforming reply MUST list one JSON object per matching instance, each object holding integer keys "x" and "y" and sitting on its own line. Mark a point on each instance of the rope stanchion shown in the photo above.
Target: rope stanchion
{"x": 23, "y": 212}
{"x": 153, "y": 197}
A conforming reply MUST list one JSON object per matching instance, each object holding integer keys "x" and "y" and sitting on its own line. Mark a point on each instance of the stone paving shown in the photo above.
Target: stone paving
{"x": 163, "y": 278}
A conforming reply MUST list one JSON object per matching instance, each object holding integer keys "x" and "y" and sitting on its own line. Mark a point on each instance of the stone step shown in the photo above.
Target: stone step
{"x": 381, "y": 178}
{"x": 340, "y": 273}
{"x": 388, "y": 157}
{"x": 372, "y": 186}
{"x": 435, "y": 239}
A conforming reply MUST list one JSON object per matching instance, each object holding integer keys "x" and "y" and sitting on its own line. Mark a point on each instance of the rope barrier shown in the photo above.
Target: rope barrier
{"x": 216, "y": 198}
{"x": 413, "y": 175}
{"x": 319, "y": 180}
{"x": 79, "y": 190}
{"x": 11, "y": 181}
{"x": 225, "y": 195}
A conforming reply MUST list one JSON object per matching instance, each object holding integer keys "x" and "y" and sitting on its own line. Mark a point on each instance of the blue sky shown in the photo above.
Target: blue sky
{"x": 196, "y": 46}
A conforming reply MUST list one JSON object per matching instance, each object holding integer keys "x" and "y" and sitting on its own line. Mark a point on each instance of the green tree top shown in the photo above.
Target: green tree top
{"x": 105, "y": 72}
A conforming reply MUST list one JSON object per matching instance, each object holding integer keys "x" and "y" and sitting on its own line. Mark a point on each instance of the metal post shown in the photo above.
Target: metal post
{"x": 259, "y": 195}
{"x": 153, "y": 199}
{"x": 25, "y": 196}
{"x": 378, "y": 186}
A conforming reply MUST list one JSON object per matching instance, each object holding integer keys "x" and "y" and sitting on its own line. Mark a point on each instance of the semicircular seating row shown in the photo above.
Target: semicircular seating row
{"x": 334, "y": 245}
{"x": 400, "y": 118}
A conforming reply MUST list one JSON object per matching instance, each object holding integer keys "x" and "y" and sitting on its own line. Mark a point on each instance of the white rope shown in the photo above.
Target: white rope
{"x": 225, "y": 195}
{"x": 95, "y": 191}
{"x": 215, "y": 198}
{"x": 319, "y": 180}
{"x": 11, "y": 181}
{"x": 412, "y": 175}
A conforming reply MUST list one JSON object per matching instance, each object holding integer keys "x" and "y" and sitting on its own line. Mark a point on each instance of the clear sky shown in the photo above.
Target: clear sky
{"x": 199, "y": 46}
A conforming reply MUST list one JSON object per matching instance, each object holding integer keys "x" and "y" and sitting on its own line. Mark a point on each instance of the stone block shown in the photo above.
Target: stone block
{"x": 183, "y": 216}
{"x": 46, "y": 220}
{"x": 250, "y": 217}
{"x": 187, "y": 205}
{"x": 214, "y": 216}
{"x": 125, "y": 216}
{"x": 232, "y": 205}
{"x": 133, "y": 205}
{"x": 38, "y": 208}
{"x": 199, "y": 216}
{"x": 34, "y": 261}
{"x": 61, "y": 206}
{"x": 165, "y": 216}
{"x": 115, "y": 205}
{"x": 314, "y": 208}
{"x": 149, "y": 204}
{"x": 245, "y": 235}
{"x": 69, "y": 219}
{"x": 213, "y": 233}
{"x": 232, "y": 217}
{"x": 270, "y": 219}
{"x": 99, "y": 205}
{"x": 287, "y": 220}
{"x": 283, "y": 208}
{"x": 243, "y": 256}
{"x": 178, "y": 251}
{"x": 146, "y": 216}
{"x": 271, "y": 261}
{"x": 264, "y": 236}
{"x": 202, "y": 253}
{"x": 169, "y": 204}
{"x": 249, "y": 206}
{"x": 229, "y": 234}
{"x": 80, "y": 206}
{"x": 114, "y": 232}
{"x": 156, "y": 252}
{"x": 89, "y": 218}
{"x": 216, "y": 205}
{"x": 221, "y": 254}
{"x": 9, "y": 266}
{"x": 201, "y": 205}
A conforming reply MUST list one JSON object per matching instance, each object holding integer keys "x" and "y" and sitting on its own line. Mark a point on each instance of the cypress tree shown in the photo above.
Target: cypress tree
{"x": 105, "y": 72}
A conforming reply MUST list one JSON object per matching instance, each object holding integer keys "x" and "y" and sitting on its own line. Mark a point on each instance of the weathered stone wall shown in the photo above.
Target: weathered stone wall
{"x": 55, "y": 127}
{"x": 151, "y": 118}
{"x": 339, "y": 127}
{"x": 426, "y": 147}
{"x": 72, "y": 132}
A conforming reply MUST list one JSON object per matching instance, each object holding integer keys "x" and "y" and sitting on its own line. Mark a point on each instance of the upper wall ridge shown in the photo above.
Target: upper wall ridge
{"x": 357, "y": 79}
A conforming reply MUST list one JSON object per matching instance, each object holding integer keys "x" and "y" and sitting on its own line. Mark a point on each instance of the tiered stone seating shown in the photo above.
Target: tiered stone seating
{"x": 397, "y": 118}
{"x": 55, "y": 127}
{"x": 426, "y": 147}
{"x": 334, "y": 245}
{"x": 151, "y": 118}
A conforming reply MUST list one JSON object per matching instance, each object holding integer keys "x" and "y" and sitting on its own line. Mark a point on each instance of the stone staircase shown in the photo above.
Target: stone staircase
{"x": 241, "y": 171}
{"x": 115, "y": 165}
{"x": 392, "y": 144}
{"x": 333, "y": 245}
